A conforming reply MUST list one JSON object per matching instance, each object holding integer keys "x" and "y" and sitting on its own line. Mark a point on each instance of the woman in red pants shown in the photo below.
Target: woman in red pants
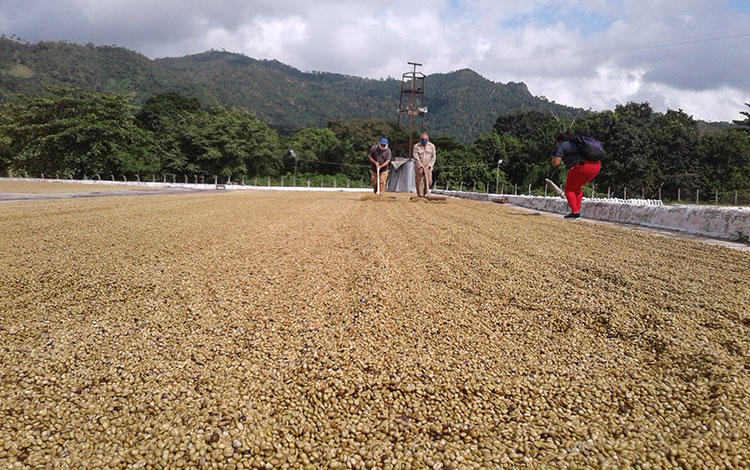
{"x": 580, "y": 171}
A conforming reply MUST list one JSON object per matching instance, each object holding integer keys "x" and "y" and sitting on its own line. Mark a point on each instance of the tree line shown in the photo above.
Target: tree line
{"x": 650, "y": 153}
{"x": 77, "y": 134}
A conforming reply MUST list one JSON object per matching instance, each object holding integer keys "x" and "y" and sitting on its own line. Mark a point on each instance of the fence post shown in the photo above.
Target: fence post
{"x": 625, "y": 193}
{"x": 308, "y": 182}
{"x": 269, "y": 181}
{"x": 545, "y": 190}
{"x": 593, "y": 190}
{"x": 660, "y": 193}
{"x": 529, "y": 190}
{"x": 608, "y": 193}
{"x": 282, "y": 181}
{"x": 679, "y": 196}
{"x": 174, "y": 178}
{"x": 735, "y": 198}
{"x": 643, "y": 192}
{"x": 716, "y": 201}
{"x": 461, "y": 187}
{"x": 347, "y": 183}
{"x": 697, "y": 196}
{"x": 502, "y": 191}
{"x": 334, "y": 182}
{"x": 515, "y": 190}
{"x": 474, "y": 188}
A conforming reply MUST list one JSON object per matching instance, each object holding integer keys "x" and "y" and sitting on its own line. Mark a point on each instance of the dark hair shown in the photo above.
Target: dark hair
{"x": 563, "y": 136}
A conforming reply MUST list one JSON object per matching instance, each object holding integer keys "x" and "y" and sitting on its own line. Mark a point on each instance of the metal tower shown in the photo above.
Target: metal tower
{"x": 411, "y": 102}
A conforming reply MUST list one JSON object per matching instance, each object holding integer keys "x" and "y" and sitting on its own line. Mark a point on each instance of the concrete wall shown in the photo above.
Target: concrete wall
{"x": 729, "y": 223}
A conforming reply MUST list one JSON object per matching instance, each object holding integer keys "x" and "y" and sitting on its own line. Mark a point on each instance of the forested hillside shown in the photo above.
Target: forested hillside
{"x": 85, "y": 111}
{"x": 461, "y": 104}
{"x": 31, "y": 69}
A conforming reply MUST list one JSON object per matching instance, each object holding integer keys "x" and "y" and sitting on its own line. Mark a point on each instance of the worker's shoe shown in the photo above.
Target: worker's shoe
{"x": 573, "y": 215}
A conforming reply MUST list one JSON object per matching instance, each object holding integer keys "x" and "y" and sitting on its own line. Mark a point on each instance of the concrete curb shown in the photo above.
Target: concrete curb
{"x": 728, "y": 223}
{"x": 193, "y": 186}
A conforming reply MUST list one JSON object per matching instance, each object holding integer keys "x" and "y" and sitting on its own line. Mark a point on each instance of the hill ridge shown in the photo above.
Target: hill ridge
{"x": 461, "y": 103}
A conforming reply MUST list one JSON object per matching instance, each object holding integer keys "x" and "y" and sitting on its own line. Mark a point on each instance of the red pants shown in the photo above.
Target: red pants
{"x": 577, "y": 177}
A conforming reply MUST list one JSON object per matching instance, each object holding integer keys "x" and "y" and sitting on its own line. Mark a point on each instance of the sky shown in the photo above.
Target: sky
{"x": 595, "y": 54}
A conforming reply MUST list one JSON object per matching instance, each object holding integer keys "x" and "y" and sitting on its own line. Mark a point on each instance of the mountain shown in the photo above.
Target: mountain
{"x": 462, "y": 104}
{"x": 282, "y": 95}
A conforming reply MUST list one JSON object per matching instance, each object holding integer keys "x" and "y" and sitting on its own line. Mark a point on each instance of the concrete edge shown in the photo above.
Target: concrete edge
{"x": 193, "y": 186}
{"x": 727, "y": 223}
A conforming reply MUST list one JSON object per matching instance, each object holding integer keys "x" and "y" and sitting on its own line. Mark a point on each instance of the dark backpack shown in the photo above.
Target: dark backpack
{"x": 589, "y": 148}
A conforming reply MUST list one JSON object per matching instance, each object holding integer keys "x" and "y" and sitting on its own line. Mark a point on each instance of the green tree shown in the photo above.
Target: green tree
{"x": 170, "y": 118}
{"x": 6, "y": 153}
{"x": 674, "y": 140}
{"x": 225, "y": 142}
{"x": 363, "y": 133}
{"x": 228, "y": 143}
{"x": 723, "y": 160}
{"x": 158, "y": 110}
{"x": 458, "y": 163}
{"x": 491, "y": 148}
{"x": 75, "y": 133}
{"x": 235, "y": 143}
{"x": 529, "y": 163}
{"x": 745, "y": 123}
{"x": 627, "y": 141}
{"x": 356, "y": 136}
{"x": 318, "y": 150}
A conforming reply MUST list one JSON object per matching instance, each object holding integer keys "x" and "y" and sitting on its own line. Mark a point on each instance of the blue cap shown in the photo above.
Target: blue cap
{"x": 384, "y": 141}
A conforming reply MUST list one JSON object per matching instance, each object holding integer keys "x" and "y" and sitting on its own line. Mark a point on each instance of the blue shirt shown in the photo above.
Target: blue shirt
{"x": 568, "y": 151}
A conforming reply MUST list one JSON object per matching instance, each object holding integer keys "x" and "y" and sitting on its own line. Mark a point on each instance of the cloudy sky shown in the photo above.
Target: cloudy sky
{"x": 678, "y": 54}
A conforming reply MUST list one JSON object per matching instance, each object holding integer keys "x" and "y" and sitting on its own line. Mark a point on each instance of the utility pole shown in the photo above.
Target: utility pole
{"x": 294, "y": 154}
{"x": 497, "y": 174}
